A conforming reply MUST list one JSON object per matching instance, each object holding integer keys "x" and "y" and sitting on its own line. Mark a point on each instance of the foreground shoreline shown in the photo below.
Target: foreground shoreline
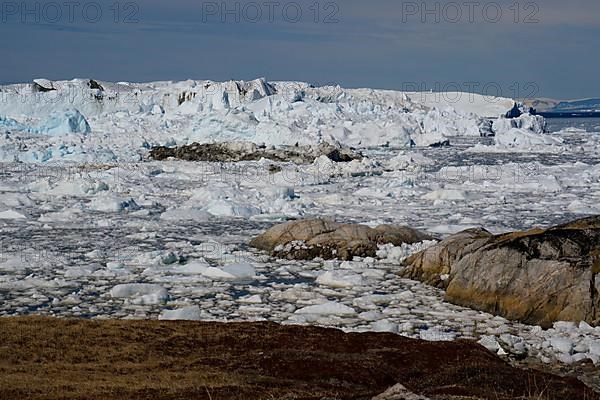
{"x": 52, "y": 358}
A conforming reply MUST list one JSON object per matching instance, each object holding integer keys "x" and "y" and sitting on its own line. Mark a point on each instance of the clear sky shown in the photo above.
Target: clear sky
{"x": 547, "y": 48}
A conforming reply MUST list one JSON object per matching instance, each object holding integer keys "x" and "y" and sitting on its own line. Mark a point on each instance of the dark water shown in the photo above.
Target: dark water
{"x": 587, "y": 124}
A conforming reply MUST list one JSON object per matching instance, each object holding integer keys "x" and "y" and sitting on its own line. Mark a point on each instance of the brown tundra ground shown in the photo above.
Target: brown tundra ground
{"x": 44, "y": 358}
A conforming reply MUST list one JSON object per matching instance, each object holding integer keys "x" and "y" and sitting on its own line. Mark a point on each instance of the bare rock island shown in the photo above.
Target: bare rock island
{"x": 309, "y": 239}
{"x": 538, "y": 277}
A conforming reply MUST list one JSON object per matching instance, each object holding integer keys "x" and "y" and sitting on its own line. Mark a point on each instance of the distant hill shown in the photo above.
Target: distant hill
{"x": 551, "y": 105}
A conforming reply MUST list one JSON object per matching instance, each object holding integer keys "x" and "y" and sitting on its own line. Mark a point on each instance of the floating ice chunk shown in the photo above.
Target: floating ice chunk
{"x": 397, "y": 254}
{"x": 437, "y": 335}
{"x": 79, "y": 187}
{"x": 169, "y": 258}
{"x": 565, "y": 358}
{"x": 370, "y": 315}
{"x": 490, "y": 343}
{"x": 241, "y": 270}
{"x": 384, "y": 325}
{"x": 565, "y": 326}
{"x": 228, "y": 208}
{"x": 185, "y": 213}
{"x": 11, "y": 214}
{"x": 297, "y": 293}
{"x": 66, "y": 215}
{"x": 519, "y": 138}
{"x": 192, "y": 268}
{"x": 141, "y": 293}
{"x": 278, "y": 192}
{"x": 562, "y": 344}
{"x": 410, "y": 161}
{"x": 13, "y": 200}
{"x": 579, "y": 207}
{"x": 406, "y": 327}
{"x": 13, "y": 263}
{"x": 584, "y": 326}
{"x": 79, "y": 272}
{"x": 527, "y": 122}
{"x": 112, "y": 204}
{"x": 340, "y": 279}
{"x": 330, "y": 308}
{"x": 447, "y": 194}
{"x": 255, "y": 299}
{"x": 114, "y": 268}
{"x": 191, "y": 313}
{"x": 594, "y": 347}
{"x": 216, "y": 273}
{"x": 581, "y": 347}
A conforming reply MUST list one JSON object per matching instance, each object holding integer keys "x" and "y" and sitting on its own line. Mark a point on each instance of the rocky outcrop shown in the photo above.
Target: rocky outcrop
{"x": 514, "y": 112}
{"x": 245, "y": 151}
{"x": 43, "y": 85}
{"x": 538, "y": 277}
{"x": 433, "y": 264}
{"x": 308, "y": 239}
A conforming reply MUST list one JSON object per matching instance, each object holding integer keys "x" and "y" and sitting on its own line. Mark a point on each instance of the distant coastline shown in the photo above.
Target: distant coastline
{"x": 569, "y": 114}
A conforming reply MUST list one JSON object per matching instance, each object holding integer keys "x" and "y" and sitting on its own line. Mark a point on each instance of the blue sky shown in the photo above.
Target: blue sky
{"x": 547, "y": 49}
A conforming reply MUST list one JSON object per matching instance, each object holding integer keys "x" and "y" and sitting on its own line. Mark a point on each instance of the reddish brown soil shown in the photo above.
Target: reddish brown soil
{"x": 43, "y": 358}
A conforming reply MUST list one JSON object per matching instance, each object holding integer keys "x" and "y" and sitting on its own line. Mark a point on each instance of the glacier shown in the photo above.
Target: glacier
{"x": 94, "y": 121}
